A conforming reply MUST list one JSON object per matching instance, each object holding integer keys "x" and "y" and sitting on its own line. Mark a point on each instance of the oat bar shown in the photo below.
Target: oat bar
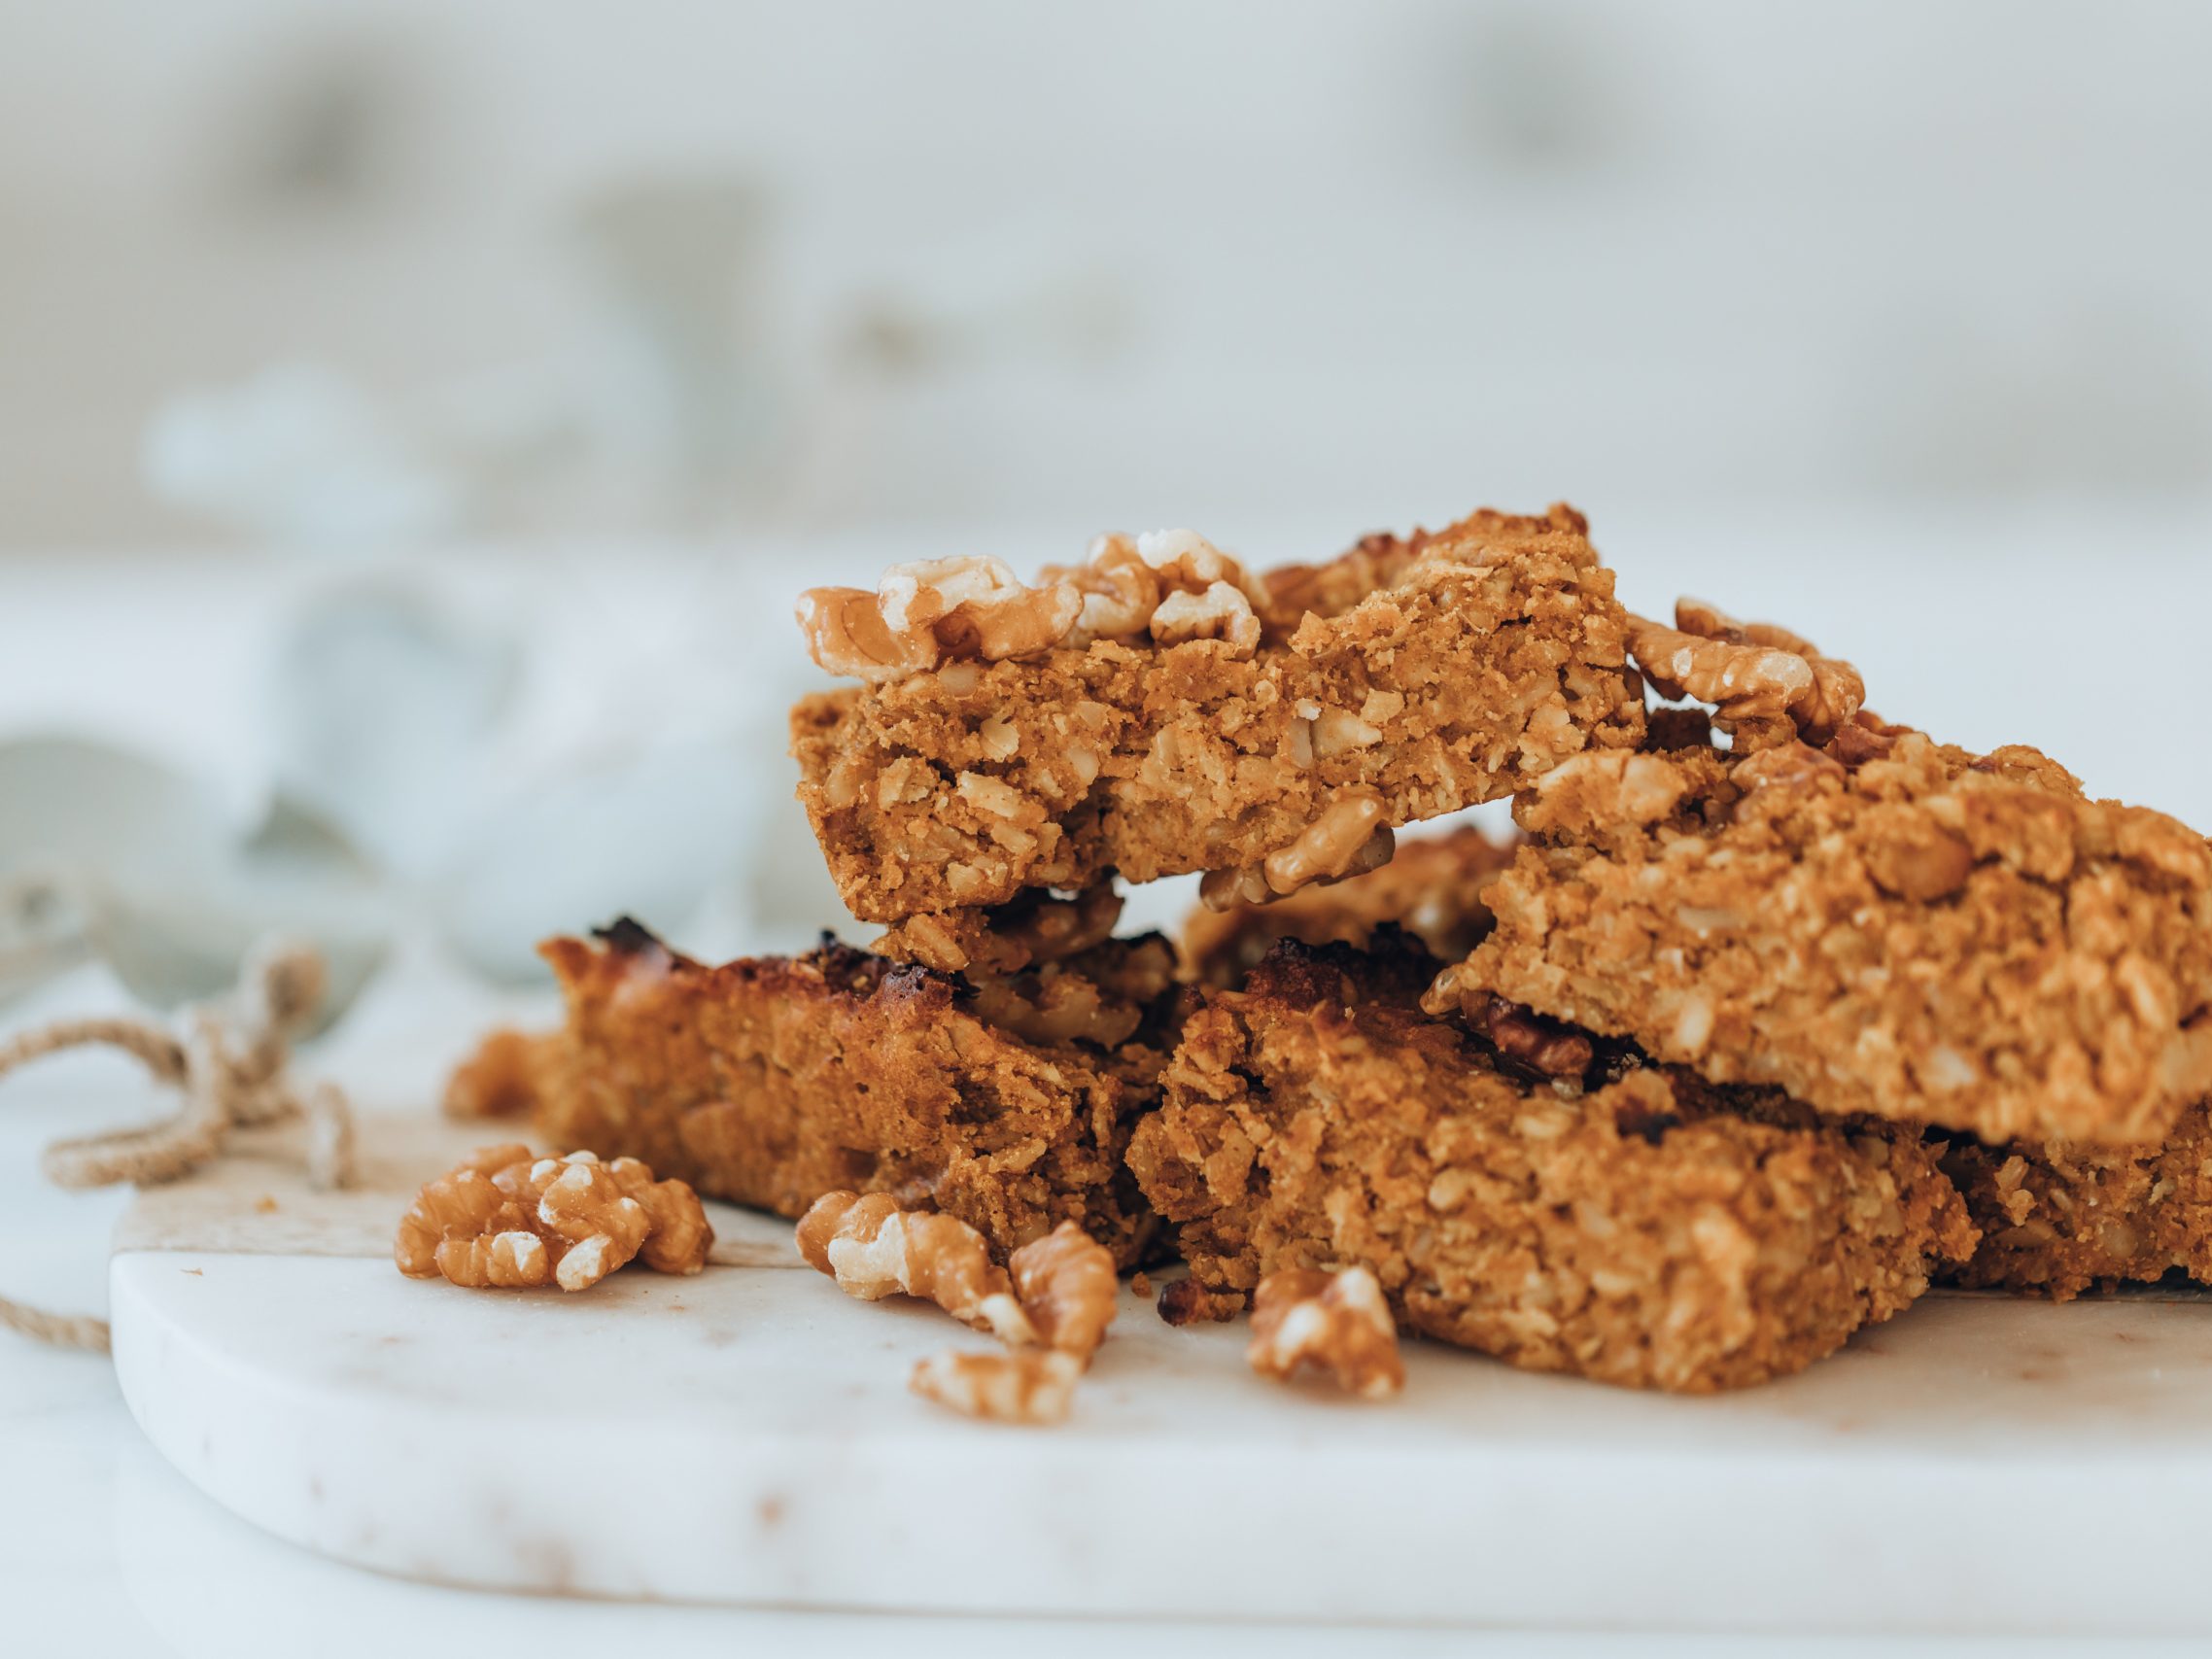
{"x": 1161, "y": 710}
{"x": 769, "y": 1082}
{"x": 1631, "y": 1224}
{"x": 1880, "y": 926}
{"x": 2058, "y": 1218}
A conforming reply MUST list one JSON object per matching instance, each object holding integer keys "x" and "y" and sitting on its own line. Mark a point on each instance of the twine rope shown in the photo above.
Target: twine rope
{"x": 232, "y": 1068}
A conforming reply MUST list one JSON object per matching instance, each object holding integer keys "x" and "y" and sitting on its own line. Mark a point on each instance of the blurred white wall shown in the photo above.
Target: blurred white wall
{"x": 550, "y": 264}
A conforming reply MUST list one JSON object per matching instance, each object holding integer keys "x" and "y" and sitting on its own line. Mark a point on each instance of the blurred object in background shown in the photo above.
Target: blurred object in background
{"x": 109, "y": 857}
{"x": 555, "y": 266}
{"x": 386, "y": 705}
{"x": 423, "y": 414}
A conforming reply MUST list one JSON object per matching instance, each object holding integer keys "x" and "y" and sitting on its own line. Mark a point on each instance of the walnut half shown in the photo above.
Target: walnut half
{"x": 1052, "y": 1308}
{"x": 1766, "y": 684}
{"x": 504, "y": 1219}
{"x": 873, "y": 1249}
{"x": 933, "y": 611}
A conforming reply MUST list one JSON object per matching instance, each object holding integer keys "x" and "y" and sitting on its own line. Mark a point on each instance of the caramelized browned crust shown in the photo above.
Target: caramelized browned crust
{"x": 1432, "y": 888}
{"x": 1480, "y": 662}
{"x": 1888, "y": 928}
{"x": 2057, "y": 1218}
{"x": 1638, "y": 1234}
{"x": 769, "y": 1082}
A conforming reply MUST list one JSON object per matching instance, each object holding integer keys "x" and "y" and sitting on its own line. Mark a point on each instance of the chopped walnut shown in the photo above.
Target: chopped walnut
{"x": 1186, "y": 1302}
{"x": 1221, "y": 612}
{"x": 872, "y": 1249}
{"x": 846, "y": 634}
{"x": 934, "y": 612}
{"x": 1068, "y": 1287}
{"x": 1787, "y": 765}
{"x": 1350, "y": 838}
{"x": 499, "y": 1080}
{"x": 1863, "y": 739}
{"x": 504, "y": 1219}
{"x": 1334, "y": 1321}
{"x": 1119, "y": 591}
{"x": 1054, "y": 1307}
{"x": 1233, "y": 889}
{"x": 1173, "y": 585}
{"x": 1767, "y": 684}
{"x": 1912, "y": 856}
{"x": 1033, "y": 1386}
{"x": 1186, "y": 561}
{"x": 1520, "y": 1033}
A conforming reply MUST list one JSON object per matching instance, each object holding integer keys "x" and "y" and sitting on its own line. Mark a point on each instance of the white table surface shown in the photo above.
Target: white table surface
{"x": 105, "y": 1550}
{"x": 2080, "y": 629}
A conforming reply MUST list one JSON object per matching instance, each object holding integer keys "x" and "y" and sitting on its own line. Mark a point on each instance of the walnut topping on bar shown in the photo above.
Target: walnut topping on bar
{"x": 1172, "y": 585}
{"x": 1769, "y": 686}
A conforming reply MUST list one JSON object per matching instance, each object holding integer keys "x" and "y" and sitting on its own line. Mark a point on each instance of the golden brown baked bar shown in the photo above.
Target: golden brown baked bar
{"x": 2059, "y": 1219}
{"x": 1191, "y": 728}
{"x": 1882, "y": 927}
{"x": 1633, "y": 1230}
{"x": 1432, "y": 888}
{"x": 771, "y": 1082}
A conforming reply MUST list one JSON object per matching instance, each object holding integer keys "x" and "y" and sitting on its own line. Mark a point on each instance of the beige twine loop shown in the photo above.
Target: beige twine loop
{"x": 231, "y": 1066}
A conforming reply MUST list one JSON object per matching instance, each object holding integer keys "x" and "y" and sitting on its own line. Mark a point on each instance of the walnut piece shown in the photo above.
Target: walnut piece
{"x": 1787, "y": 766}
{"x": 1334, "y": 1322}
{"x": 1031, "y": 1386}
{"x": 1522, "y": 1034}
{"x": 1221, "y": 612}
{"x": 934, "y": 612}
{"x": 1767, "y": 684}
{"x": 507, "y": 1219}
{"x": 1068, "y": 1289}
{"x": 1173, "y": 585}
{"x": 1350, "y": 838}
{"x": 1119, "y": 591}
{"x": 873, "y": 1249}
{"x": 1053, "y": 1307}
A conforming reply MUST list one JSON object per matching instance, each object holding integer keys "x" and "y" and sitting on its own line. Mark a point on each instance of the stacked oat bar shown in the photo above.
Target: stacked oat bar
{"x": 1747, "y": 1039}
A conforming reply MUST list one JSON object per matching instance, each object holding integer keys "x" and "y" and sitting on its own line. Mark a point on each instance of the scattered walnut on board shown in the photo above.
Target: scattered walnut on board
{"x": 1051, "y": 1304}
{"x": 1033, "y": 1387}
{"x": 1068, "y": 1289}
{"x": 507, "y": 1219}
{"x": 873, "y": 1249}
{"x": 1337, "y": 1323}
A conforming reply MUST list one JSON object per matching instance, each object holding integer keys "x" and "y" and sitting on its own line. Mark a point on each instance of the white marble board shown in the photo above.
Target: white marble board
{"x": 745, "y": 1436}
